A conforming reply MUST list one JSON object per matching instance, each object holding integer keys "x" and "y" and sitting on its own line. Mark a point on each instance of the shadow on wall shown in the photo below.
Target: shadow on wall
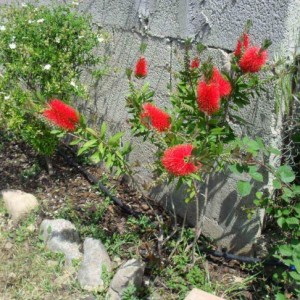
{"x": 225, "y": 221}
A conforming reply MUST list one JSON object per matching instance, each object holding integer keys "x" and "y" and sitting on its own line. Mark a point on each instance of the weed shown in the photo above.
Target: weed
{"x": 130, "y": 293}
{"x": 30, "y": 172}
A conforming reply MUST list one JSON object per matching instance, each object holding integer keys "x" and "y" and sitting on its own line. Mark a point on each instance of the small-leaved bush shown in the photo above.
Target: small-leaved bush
{"x": 43, "y": 52}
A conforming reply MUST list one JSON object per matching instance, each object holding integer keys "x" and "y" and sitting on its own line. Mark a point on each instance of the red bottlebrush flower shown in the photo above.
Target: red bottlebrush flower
{"x": 242, "y": 45}
{"x": 224, "y": 85}
{"x": 141, "y": 68}
{"x": 177, "y": 160}
{"x": 208, "y": 97}
{"x": 253, "y": 60}
{"x": 62, "y": 115}
{"x": 155, "y": 117}
{"x": 195, "y": 63}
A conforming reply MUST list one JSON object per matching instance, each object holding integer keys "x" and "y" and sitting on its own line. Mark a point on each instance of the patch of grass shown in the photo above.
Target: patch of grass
{"x": 27, "y": 270}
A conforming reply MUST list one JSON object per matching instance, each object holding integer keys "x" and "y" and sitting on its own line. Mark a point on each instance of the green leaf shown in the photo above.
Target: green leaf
{"x": 115, "y": 139}
{"x": 285, "y": 250}
{"x": 297, "y": 265}
{"x": 244, "y": 188}
{"x": 252, "y": 146}
{"x": 103, "y": 130}
{"x": 91, "y": 131}
{"x": 257, "y": 176}
{"x": 280, "y": 297}
{"x": 95, "y": 158}
{"x": 297, "y": 209}
{"x": 292, "y": 221}
{"x": 101, "y": 149}
{"x": 75, "y": 142}
{"x": 295, "y": 276}
{"x": 276, "y": 184}
{"x": 86, "y": 146}
{"x": 259, "y": 195}
{"x": 55, "y": 131}
{"x": 281, "y": 222}
{"x": 286, "y": 174}
{"x": 126, "y": 148}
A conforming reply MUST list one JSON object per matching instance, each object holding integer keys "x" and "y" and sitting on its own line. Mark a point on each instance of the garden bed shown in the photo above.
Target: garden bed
{"x": 67, "y": 194}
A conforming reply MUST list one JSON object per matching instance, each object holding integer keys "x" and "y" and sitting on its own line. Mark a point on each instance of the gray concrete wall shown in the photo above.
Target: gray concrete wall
{"x": 163, "y": 25}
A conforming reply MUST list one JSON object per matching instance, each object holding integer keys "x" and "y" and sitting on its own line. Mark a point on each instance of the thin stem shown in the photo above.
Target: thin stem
{"x": 181, "y": 236}
{"x": 198, "y": 224}
{"x": 199, "y": 216}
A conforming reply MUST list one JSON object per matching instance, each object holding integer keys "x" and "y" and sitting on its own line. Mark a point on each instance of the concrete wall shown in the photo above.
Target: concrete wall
{"x": 163, "y": 25}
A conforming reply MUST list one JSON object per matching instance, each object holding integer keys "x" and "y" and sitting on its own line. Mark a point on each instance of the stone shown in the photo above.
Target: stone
{"x": 130, "y": 273}
{"x": 61, "y": 236}
{"x": 196, "y": 294}
{"x": 8, "y": 246}
{"x": 18, "y": 203}
{"x": 95, "y": 258}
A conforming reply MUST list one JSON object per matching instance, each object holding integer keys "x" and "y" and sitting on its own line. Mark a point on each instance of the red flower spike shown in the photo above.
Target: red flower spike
{"x": 141, "y": 68}
{"x": 208, "y": 97}
{"x": 224, "y": 85}
{"x": 61, "y": 115}
{"x": 253, "y": 60}
{"x": 195, "y": 63}
{"x": 177, "y": 160}
{"x": 155, "y": 117}
{"x": 242, "y": 45}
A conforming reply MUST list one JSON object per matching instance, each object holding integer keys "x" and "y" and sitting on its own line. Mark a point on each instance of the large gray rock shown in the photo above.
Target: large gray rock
{"x": 61, "y": 236}
{"x": 131, "y": 273}
{"x": 95, "y": 258}
{"x": 18, "y": 203}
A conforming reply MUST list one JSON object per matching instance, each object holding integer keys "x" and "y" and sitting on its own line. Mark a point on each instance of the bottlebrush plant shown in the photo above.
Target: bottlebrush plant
{"x": 192, "y": 135}
{"x": 193, "y": 138}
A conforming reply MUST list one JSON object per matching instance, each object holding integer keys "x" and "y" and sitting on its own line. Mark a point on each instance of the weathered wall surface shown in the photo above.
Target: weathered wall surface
{"x": 163, "y": 25}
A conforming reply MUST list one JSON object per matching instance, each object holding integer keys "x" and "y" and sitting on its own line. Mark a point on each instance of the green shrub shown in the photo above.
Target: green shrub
{"x": 43, "y": 51}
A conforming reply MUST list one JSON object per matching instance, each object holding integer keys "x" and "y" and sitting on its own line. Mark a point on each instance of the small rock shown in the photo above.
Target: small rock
{"x": 94, "y": 259}
{"x": 18, "y": 203}
{"x": 130, "y": 273}
{"x": 90, "y": 297}
{"x": 8, "y": 246}
{"x": 145, "y": 207}
{"x": 61, "y": 236}
{"x": 196, "y": 294}
{"x": 12, "y": 275}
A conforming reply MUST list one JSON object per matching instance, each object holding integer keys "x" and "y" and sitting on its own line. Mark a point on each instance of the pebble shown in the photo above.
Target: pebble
{"x": 8, "y": 246}
{"x": 145, "y": 207}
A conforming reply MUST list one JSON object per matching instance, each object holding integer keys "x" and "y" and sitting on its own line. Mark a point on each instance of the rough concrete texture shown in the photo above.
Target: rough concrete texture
{"x": 131, "y": 273}
{"x": 196, "y": 294}
{"x": 18, "y": 203}
{"x": 95, "y": 258}
{"x": 163, "y": 25}
{"x": 61, "y": 236}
